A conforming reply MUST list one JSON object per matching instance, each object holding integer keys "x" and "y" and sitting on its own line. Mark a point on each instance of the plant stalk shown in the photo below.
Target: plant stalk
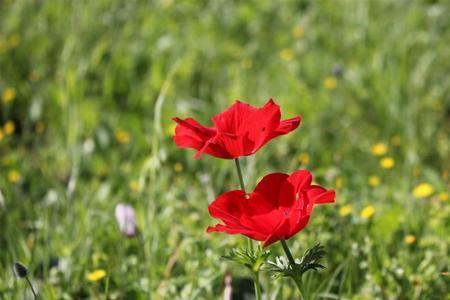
{"x": 297, "y": 280}
{"x": 257, "y": 287}
{"x": 241, "y": 181}
{"x": 249, "y": 241}
{"x": 31, "y": 287}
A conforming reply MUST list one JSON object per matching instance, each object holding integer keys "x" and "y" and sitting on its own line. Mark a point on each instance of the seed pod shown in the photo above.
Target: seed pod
{"x": 20, "y": 270}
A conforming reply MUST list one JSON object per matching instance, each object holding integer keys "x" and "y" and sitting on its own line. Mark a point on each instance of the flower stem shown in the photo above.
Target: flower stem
{"x": 249, "y": 241}
{"x": 241, "y": 181}
{"x": 297, "y": 280}
{"x": 288, "y": 252}
{"x": 257, "y": 287}
{"x": 32, "y": 289}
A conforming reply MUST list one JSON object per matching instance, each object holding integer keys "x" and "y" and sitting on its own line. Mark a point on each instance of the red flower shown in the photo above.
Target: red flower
{"x": 278, "y": 208}
{"x": 239, "y": 131}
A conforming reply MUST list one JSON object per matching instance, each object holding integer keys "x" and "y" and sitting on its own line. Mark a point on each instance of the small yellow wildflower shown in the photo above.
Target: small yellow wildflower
{"x": 445, "y": 175}
{"x": 13, "y": 176}
{"x": 96, "y": 275}
{"x": 379, "y": 149}
{"x": 3, "y": 45}
{"x": 330, "y": 83}
{"x": 339, "y": 182}
{"x": 387, "y": 163}
{"x": 178, "y": 167}
{"x": 9, "y": 95}
{"x": 443, "y": 196}
{"x": 410, "y": 239}
{"x": 30, "y": 242}
{"x": 304, "y": 158}
{"x": 170, "y": 130}
{"x": 396, "y": 140}
{"x": 423, "y": 190}
{"x": 248, "y": 63}
{"x": 14, "y": 40}
{"x": 298, "y": 31}
{"x": 33, "y": 76}
{"x": 9, "y": 127}
{"x": 345, "y": 210}
{"x": 40, "y": 127}
{"x": 135, "y": 186}
{"x": 122, "y": 136}
{"x": 287, "y": 54}
{"x": 1, "y": 134}
{"x": 374, "y": 181}
{"x": 368, "y": 212}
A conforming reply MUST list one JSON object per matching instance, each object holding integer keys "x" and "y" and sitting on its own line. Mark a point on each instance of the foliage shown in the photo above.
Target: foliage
{"x": 88, "y": 90}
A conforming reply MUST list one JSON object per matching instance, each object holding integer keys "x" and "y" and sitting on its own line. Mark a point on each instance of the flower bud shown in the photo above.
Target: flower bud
{"x": 20, "y": 270}
{"x": 126, "y": 219}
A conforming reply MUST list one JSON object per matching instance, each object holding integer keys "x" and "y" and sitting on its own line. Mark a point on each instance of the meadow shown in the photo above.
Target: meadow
{"x": 88, "y": 90}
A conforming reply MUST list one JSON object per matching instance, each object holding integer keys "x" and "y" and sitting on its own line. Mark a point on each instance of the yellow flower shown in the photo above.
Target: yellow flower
{"x": 339, "y": 182}
{"x": 304, "y": 158}
{"x": 396, "y": 140}
{"x": 96, "y": 275}
{"x": 178, "y": 167}
{"x": 443, "y": 196}
{"x": 287, "y": 54}
{"x": 8, "y": 95}
{"x": 122, "y": 136}
{"x": 445, "y": 175}
{"x": 40, "y": 127}
{"x": 30, "y": 242}
{"x": 410, "y": 239}
{"x": 9, "y": 127}
{"x": 13, "y": 176}
{"x": 374, "y": 181}
{"x": 33, "y": 76}
{"x": 14, "y": 40}
{"x": 1, "y": 134}
{"x": 248, "y": 63}
{"x": 330, "y": 83}
{"x": 387, "y": 163}
{"x": 298, "y": 31}
{"x": 135, "y": 186}
{"x": 423, "y": 190}
{"x": 368, "y": 212}
{"x": 345, "y": 210}
{"x": 379, "y": 149}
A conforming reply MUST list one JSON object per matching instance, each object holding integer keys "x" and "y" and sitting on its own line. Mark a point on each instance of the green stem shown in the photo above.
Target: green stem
{"x": 257, "y": 287}
{"x": 249, "y": 241}
{"x": 297, "y": 280}
{"x": 241, "y": 181}
{"x": 31, "y": 287}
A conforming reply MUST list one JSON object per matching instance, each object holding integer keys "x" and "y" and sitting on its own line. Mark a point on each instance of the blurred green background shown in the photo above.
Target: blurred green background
{"x": 88, "y": 90}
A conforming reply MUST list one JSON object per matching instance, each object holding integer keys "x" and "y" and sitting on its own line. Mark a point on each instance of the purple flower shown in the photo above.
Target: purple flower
{"x": 126, "y": 219}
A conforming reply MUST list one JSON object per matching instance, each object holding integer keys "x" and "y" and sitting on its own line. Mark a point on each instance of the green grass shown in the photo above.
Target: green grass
{"x": 82, "y": 70}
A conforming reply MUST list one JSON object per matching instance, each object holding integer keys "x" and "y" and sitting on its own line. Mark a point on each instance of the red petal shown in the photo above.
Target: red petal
{"x": 270, "y": 188}
{"x": 230, "y": 120}
{"x": 260, "y": 125}
{"x": 319, "y": 195}
{"x": 233, "y": 230}
{"x": 280, "y": 233}
{"x": 228, "y": 207}
{"x": 288, "y": 125}
{"x": 301, "y": 180}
